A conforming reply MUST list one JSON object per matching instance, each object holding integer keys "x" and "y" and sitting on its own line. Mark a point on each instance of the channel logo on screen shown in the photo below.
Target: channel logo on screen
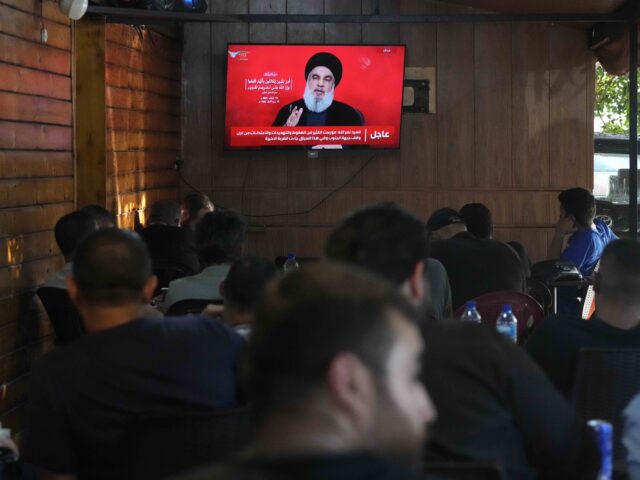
{"x": 239, "y": 54}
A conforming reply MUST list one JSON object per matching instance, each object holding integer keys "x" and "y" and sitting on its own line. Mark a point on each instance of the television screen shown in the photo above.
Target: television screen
{"x": 313, "y": 96}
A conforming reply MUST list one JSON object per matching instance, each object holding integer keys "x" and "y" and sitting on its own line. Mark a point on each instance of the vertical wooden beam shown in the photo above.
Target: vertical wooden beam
{"x": 89, "y": 93}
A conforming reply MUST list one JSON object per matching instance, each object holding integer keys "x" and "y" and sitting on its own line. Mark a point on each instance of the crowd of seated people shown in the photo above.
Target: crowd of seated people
{"x": 354, "y": 366}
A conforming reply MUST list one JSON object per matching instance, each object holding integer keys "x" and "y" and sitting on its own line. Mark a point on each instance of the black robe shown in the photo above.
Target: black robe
{"x": 338, "y": 114}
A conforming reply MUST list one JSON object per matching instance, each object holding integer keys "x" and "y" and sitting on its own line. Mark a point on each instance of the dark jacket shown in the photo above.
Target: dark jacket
{"x": 338, "y": 114}
{"x": 170, "y": 245}
{"x": 476, "y": 266}
{"x": 495, "y": 405}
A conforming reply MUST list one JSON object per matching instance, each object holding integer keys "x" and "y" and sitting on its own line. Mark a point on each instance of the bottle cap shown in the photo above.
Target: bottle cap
{"x": 291, "y": 255}
{"x": 506, "y": 308}
{"x": 471, "y": 304}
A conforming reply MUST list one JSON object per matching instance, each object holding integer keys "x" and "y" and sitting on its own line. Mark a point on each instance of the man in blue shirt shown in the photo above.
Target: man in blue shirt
{"x": 589, "y": 235}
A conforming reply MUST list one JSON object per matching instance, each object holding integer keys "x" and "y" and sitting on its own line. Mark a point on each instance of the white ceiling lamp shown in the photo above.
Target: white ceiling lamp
{"x": 74, "y": 9}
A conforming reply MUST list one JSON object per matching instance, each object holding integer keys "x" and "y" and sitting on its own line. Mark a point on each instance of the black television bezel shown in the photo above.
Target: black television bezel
{"x": 281, "y": 149}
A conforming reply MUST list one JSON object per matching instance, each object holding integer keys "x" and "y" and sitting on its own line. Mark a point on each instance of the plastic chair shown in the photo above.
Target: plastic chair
{"x": 63, "y": 315}
{"x": 541, "y": 293}
{"x": 526, "y": 309}
{"x": 605, "y": 382}
{"x": 190, "y": 306}
{"x": 157, "y": 446}
{"x": 462, "y": 471}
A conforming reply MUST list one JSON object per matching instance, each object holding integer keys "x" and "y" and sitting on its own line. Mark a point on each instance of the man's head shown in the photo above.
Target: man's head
{"x": 478, "y": 219}
{"x": 341, "y": 346}
{"x": 444, "y": 224}
{"x": 111, "y": 269}
{"x": 617, "y": 283}
{"x": 103, "y": 217}
{"x": 323, "y": 73}
{"x": 165, "y": 212}
{"x": 70, "y": 229}
{"x": 386, "y": 240}
{"x": 244, "y": 285}
{"x": 219, "y": 237}
{"x": 578, "y": 204}
{"x": 194, "y": 207}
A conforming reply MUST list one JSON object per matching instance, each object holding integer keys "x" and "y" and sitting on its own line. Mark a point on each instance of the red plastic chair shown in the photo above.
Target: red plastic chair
{"x": 526, "y": 309}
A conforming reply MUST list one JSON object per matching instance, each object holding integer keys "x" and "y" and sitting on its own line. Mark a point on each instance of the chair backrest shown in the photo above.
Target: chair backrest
{"x": 462, "y": 471}
{"x": 190, "y": 306}
{"x": 541, "y": 293}
{"x": 63, "y": 315}
{"x": 526, "y": 309}
{"x": 605, "y": 382}
{"x": 157, "y": 446}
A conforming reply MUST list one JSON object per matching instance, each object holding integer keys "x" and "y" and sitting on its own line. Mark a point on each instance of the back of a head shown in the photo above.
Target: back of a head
{"x": 619, "y": 272}
{"x": 309, "y": 317}
{"x": 383, "y": 238}
{"x": 193, "y": 203}
{"x": 71, "y": 229}
{"x": 246, "y": 280}
{"x": 103, "y": 217}
{"x": 444, "y": 223}
{"x": 219, "y": 237}
{"x": 478, "y": 219}
{"x": 165, "y": 212}
{"x": 580, "y": 203}
{"x": 111, "y": 267}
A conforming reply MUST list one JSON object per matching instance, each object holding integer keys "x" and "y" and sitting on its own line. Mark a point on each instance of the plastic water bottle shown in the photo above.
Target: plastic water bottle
{"x": 507, "y": 323}
{"x": 291, "y": 265}
{"x": 471, "y": 313}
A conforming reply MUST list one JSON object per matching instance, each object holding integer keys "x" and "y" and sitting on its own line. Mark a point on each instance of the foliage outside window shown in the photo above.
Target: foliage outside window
{"x": 612, "y": 103}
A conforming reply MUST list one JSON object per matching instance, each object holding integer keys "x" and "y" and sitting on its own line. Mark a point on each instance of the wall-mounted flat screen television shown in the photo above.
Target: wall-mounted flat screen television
{"x": 313, "y": 96}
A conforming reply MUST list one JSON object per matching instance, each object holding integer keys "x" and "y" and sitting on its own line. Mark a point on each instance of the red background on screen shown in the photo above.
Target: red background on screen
{"x": 372, "y": 78}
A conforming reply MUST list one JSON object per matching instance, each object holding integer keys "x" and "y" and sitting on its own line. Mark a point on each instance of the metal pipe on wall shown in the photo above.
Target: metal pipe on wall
{"x": 633, "y": 130}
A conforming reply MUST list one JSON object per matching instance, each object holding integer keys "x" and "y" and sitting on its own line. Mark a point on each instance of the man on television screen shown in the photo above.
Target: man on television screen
{"x": 318, "y": 108}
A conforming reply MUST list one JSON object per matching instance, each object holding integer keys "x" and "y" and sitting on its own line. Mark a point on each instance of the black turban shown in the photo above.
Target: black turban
{"x": 328, "y": 60}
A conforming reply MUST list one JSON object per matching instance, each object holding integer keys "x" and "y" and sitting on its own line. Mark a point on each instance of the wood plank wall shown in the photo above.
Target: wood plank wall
{"x": 36, "y": 182}
{"x": 143, "y": 73}
{"x": 514, "y": 126}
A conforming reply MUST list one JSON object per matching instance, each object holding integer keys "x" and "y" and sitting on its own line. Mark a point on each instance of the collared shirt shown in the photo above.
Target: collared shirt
{"x": 202, "y": 286}
{"x": 58, "y": 279}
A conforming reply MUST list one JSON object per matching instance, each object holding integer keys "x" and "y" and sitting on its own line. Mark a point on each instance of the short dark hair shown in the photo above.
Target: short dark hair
{"x": 620, "y": 271}
{"x": 194, "y": 202}
{"x": 71, "y": 228}
{"x": 246, "y": 281}
{"x": 478, "y": 219}
{"x": 111, "y": 267}
{"x": 443, "y": 217}
{"x": 219, "y": 237}
{"x": 309, "y": 317}
{"x": 383, "y": 238}
{"x": 100, "y": 214}
{"x": 165, "y": 211}
{"x": 580, "y": 203}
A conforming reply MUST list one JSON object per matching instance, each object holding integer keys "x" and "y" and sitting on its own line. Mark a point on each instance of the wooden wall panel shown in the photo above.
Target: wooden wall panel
{"x": 36, "y": 183}
{"x": 513, "y": 126}
{"x": 142, "y": 77}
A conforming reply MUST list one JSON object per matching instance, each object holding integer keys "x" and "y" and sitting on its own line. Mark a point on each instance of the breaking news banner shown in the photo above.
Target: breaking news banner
{"x": 313, "y": 96}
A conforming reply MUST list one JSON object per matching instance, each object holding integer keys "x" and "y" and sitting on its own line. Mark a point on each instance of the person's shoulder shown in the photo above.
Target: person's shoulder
{"x": 201, "y": 327}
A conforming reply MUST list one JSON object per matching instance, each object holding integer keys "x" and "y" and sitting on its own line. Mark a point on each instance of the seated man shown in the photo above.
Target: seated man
{"x": 616, "y": 324}
{"x": 83, "y": 397}
{"x": 335, "y": 362}
{"x": 631, "y": 437}
{"x": 589, "y": 235}
{"x": 169, "y": 245}
{"x": 219, "y": 236}
{"x": 194, "y": 207}
{"x": 474, "y": 265}
{"x": 479, "y": 221}
{"x": 103, "y": 217}
{"x": 70, "y": 229}
{"x": 241, "y": 291}
{"x": 494, "y": 405}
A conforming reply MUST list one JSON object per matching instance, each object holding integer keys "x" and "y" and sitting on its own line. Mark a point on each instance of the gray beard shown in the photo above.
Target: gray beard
{"x": 313, "y": 104}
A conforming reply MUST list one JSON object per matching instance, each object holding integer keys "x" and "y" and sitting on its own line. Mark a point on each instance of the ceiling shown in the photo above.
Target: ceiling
{"x": 543, "y": 6}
